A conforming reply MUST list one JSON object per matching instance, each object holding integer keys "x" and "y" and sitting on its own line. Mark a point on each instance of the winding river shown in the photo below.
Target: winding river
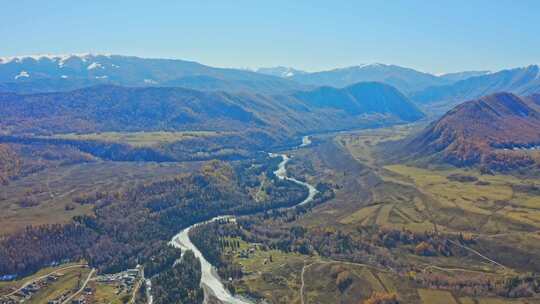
{"x": 210, "y": 280}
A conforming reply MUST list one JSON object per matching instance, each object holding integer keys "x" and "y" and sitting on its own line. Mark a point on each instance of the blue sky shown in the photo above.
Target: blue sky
{"x": 432, "y": 36}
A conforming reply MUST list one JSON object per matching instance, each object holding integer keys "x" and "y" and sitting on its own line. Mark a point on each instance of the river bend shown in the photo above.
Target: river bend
{"x": 210, "y": 280}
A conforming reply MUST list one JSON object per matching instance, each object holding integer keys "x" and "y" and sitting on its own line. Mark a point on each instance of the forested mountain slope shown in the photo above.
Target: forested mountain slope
{"x": 113, "y": 108}
{"x": 500, "y": 131}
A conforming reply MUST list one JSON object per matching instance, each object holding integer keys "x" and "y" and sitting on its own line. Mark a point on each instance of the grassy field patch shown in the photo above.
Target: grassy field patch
{"x": 139, "y": 139}
{"x": 470, "y": 206}
{"x": 7, "y": 286}
{"x": 430, "y": 296}
{"x": 107, "y": 293}
{"x": 361, "y": 215}
{"x": 68, "y": 282}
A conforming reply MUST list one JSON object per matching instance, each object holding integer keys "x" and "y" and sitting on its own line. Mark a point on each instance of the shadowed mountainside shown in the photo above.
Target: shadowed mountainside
{"x": 112, "y": 108}
{"x": 364, "y": 97}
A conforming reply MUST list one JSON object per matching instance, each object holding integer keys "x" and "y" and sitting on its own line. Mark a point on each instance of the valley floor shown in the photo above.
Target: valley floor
{"x": 489, "y": 223}
{"x": 499, "y": 214}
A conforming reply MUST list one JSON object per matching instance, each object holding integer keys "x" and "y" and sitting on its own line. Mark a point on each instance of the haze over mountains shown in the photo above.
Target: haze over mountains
{"x": 404, "y": 79}
{"x": 364, "y": 97}
{"x": 424, "y": 88}
{"x": 521, "y": 81}
{"x": 50, "y": 73}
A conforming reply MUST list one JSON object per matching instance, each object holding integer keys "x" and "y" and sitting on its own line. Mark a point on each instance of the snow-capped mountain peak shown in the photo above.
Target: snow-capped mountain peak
{"x": 22, "y": 74}
{"x": 94, "y": 65}
{"x": 42, "y": 73}
{"x": 59, "y": 59}
{"x": 280, "y": 71}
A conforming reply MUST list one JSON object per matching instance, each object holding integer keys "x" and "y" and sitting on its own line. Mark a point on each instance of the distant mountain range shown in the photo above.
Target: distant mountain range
{"x": 114, "y": 108}
{"x": 437, "y": 93}
{"x": 30, "y": 74}
{"x": 51, "y": 73}
{"x": 462, "y": 75}
{"x": 444, "y": 90}
{"x": 500, "y": 131}
{"x": 520, "y": 81}
{"x": 404, "y": 79}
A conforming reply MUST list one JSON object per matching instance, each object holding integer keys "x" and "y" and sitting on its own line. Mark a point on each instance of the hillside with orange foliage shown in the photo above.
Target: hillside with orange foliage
{"x": 382, "y": 298}
{"x": 499, "y": 131}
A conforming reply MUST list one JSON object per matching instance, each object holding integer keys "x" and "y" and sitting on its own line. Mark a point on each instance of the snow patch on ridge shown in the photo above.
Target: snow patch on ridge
{"x": 150, "y": 81}
{"x": 368, "y": 65}
{"x": 22, "y": 74}
{"x": 60, "y": 59}
{"x": 94, "y": 65}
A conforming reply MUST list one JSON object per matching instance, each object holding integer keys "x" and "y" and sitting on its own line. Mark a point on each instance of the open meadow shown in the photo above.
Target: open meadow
{"x": 139, "y": 139}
